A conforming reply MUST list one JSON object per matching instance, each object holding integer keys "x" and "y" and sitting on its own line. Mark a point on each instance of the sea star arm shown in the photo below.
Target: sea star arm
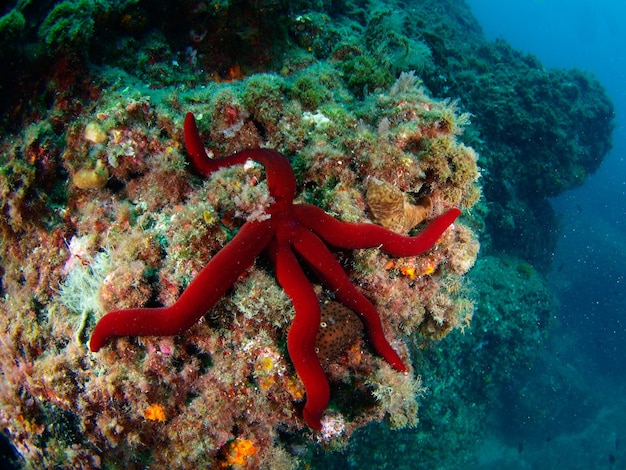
{"x": 302, "y": 333}
{"x": 281, "y": 182}
{"x": 352, "y": 236}
{"x": 315, "y": 252}
{"x": 208, "y": 286}
{"x": 195, "y": 149}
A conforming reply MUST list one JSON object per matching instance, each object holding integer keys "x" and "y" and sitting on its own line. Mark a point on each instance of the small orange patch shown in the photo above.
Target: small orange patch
{"x": 265, "y": 383}
{"x": 155, "y": 413}
{"x": 355, "y": 353}
{"x": 234, "y": 73}
{"x": 238, "y": 452}
{"x": 428, "y": 269}
{"x": 408, "y": 271}
{"x": 295, "y": 388}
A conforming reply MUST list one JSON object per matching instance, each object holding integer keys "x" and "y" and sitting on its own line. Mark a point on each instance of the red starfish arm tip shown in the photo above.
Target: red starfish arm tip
{"x": 133, "y": 322}
{"x": 302, "y": 334}
{"x": 195, "y": 148}
{"x": 314, "y": 251}
{"x": 208, "y": 286}
{"x": 365, "y": 235}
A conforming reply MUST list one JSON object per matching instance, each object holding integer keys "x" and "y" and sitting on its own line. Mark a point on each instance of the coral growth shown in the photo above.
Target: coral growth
{"x": 229, "y": 379}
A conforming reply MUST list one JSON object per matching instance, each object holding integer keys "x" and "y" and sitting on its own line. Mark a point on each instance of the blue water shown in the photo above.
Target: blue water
{"x": 590, "y": 261}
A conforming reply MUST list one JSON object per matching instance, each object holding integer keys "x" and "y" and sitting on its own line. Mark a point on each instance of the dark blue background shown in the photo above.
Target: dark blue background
{"x": 585, "y": 357}
{"x": 590, "y": 263}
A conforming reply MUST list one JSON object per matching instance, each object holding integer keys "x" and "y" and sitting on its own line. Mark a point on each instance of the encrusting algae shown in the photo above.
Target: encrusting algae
{"x": 229, "y": 372}
{"x": 225, "y": 392}
{"x": 155, "y": 413}
{"x": 238, "y": 453}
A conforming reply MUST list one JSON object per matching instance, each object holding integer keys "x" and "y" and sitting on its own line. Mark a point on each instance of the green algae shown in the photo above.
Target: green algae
{"x": 363, "y": 75}
{"x": 310, "y": 92}
{"x": 11, "y": 26}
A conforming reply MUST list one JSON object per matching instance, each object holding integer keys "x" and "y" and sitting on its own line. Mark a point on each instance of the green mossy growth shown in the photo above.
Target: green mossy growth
{"x": 11, "y": 25}
{"x": 525, "y": 269}
{"x": 262, "y": 97}
{"x": 310, "y": 93}
{"x": 72, "y": 26}
{"x": 362, "y": 75}
{"x": 68, "y": 27}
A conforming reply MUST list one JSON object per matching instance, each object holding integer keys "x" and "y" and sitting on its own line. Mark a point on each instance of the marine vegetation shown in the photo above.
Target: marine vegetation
{"x": 285, "y": 229}
{"x": 139, "y": 240}
{"x": 366, "y": 107}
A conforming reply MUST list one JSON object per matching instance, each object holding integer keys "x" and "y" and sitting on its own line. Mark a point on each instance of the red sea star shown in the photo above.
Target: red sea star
{"x": 289, "y": 229}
